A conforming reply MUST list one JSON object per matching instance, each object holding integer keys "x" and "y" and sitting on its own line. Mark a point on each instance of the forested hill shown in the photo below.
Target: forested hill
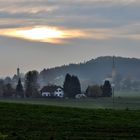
{"x": 94, "y": 71}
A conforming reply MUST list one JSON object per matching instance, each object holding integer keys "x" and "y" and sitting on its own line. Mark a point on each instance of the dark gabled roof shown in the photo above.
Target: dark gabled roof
{"x": 50, "y": 88}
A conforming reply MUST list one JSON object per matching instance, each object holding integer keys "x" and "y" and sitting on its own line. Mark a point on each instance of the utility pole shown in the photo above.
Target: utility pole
{"x": 113, "y": 77}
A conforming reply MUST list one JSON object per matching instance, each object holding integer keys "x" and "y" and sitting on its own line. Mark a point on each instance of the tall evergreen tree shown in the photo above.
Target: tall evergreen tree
{"x": 19, "y": 89}
{"x": 31, "y": 84}
{"x": 71, "y": 86}
{"x": 76, "y": 87}
{"x": 107, "y": 89}
{"x": 67, "y": 85}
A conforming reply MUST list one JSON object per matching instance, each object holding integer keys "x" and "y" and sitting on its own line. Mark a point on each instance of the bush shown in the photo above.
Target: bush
{"x": 94, "y": 91}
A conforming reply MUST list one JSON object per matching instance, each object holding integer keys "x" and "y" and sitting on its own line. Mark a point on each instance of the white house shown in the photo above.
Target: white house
{"x": 52, "y": 91}
{"x": 59, "y": 92}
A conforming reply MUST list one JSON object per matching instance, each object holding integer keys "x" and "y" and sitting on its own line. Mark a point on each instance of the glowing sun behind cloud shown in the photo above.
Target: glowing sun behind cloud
{"x": 42, "y": 34}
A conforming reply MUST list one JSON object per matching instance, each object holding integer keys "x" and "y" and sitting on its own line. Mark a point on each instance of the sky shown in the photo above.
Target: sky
{"x": 37, "y": 34}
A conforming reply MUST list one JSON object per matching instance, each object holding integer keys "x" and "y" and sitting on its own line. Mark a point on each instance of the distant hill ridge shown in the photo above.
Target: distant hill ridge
{"x": 95, "y": 70}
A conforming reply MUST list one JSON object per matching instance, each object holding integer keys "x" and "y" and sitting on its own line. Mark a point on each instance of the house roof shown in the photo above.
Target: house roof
{"x": 50, "y": 88}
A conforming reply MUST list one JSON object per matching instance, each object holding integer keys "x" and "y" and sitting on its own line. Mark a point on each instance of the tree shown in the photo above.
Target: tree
{"x": 31, "y": 84}
{"x": 94, "y": 91}
{"x": 1, "y": 87}
{"x": 67, "y": 85}
{"x": 76, "y": 87}
{"x": 7, "y": 80}
{"x": 19, "y": 89}
{"x": 71, "y": 86}
{"x": 8, "y": 91}
{"x": 107, "y": 89}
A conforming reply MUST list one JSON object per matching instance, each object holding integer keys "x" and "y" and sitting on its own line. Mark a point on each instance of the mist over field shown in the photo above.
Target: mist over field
{"x": 96, "y": 71}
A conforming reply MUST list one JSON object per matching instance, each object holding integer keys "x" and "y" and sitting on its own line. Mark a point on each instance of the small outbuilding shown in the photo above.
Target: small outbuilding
{"x": 80, "y": 96}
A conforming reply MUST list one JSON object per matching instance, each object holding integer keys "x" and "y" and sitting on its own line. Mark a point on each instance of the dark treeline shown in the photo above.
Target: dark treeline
{"x": 19, "y": 88}
{"x": 92, "y": 72}
{"x": 95, "y": 91}
{"x": 85, "y": 78}
{"x": 71, "y": 86}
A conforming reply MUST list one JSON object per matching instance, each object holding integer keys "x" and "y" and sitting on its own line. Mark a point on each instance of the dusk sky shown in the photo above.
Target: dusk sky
{"x": 37, "y": 34}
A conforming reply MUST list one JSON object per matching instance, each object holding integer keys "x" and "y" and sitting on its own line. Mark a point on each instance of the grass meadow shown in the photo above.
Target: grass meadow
{"x": 43, "y": 122}
{"x": 91, "y": 103}
{"x": 70, "y": 119}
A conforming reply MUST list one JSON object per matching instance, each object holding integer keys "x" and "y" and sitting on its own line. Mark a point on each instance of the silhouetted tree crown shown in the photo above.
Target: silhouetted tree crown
{"x": 1, "y": 87}
{"x": 8, "y": 90}
{"x": 67, "y": 84}
{"x": 19, "y": 89}
{"x": 31, "y": 84}
{"x": 94, "y": 91}
{"x": 107, "y": 89}
{"x": 71, "y": 86}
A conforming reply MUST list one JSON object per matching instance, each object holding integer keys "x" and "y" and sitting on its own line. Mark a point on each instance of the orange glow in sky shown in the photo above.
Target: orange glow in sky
{"x": 41, "y": 34}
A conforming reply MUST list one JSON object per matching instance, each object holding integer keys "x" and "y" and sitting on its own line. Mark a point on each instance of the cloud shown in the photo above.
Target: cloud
{"x": 71, "y": 14}
{"x": 43, "y": 34}
{"x": 90, "y": 28}
{"x": 56, "y": 35}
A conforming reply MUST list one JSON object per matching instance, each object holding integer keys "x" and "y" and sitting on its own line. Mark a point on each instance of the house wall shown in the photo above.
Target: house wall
{"x": 59, "y": 93}
{"x": 46, "y": 94}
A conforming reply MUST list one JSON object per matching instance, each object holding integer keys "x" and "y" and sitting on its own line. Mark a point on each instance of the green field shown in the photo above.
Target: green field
{"x": 98, "y": 103}
{"x": 122, "y": 100}
{"x": 127, "y": 93}
{"x": 41, "y": 122}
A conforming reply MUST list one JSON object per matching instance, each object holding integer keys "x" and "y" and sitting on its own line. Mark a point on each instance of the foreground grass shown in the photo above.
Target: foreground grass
{"x": 39, "y": 122}
{"x": 98, "y": 103}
